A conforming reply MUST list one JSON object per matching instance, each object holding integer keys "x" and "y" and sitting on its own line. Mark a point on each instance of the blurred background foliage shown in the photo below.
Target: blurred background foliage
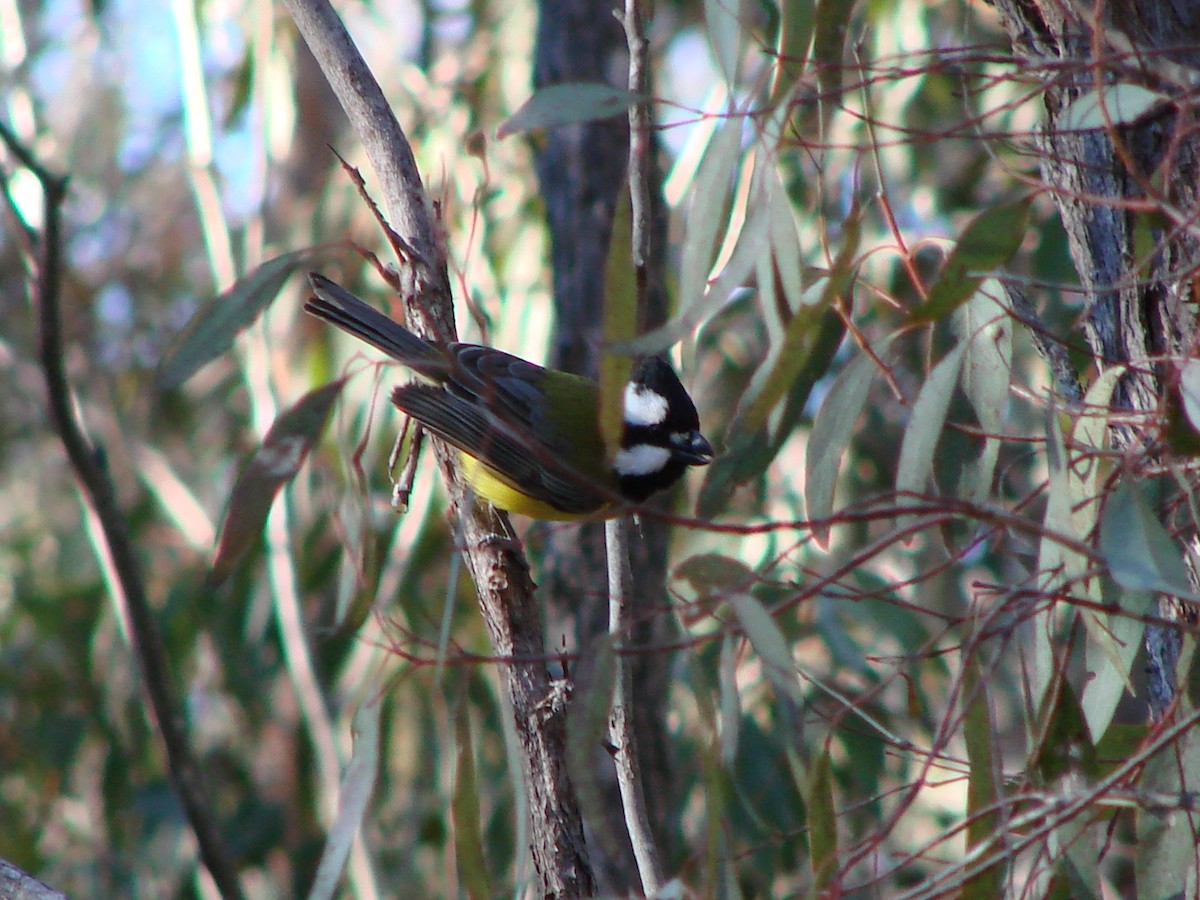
{"x": 197, "y": 140}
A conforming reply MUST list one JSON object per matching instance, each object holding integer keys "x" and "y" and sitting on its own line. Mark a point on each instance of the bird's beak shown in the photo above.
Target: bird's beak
{"x": 693, "y": 449}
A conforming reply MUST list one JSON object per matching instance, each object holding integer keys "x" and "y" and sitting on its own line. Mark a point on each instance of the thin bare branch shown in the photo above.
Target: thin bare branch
{"x": 88, "y": 462}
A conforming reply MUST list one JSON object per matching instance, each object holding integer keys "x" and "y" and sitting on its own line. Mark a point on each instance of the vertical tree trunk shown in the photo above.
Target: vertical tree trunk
{"x": 1112, "y": 187}
{"x": 582, "y": 169}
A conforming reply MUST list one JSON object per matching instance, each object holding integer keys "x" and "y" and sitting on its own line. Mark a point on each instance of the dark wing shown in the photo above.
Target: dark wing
{"x": 462, "y": 422}
{"x": 507, "y": 385}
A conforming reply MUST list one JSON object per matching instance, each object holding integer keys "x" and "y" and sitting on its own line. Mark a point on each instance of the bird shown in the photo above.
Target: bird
{"x": 529, "y": 437}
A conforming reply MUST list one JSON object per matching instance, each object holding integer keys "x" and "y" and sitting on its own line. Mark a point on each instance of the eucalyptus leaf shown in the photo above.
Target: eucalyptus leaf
{"x": 1165, "y": 849}
{"x": 724, "y": 29}
{"x": 834, "y": 426}
{"x": 1140, "y": 553}
{"x": 469, "y": 857}
{"x": 768, "y": 642}
{"x": 988, "y": 241}
{"x": 354, "y": 797}
{"x": 210, "y": 332}
{"x": 1112, "y": 104}
{"x": 283, "y": 451}
{"x": 568, "y": 103}
{"x": 926, "y": 423}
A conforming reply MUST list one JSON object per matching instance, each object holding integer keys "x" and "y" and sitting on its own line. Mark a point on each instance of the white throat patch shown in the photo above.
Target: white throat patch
{"x": 641, "y": 459}
{"x": 644, "y": 406}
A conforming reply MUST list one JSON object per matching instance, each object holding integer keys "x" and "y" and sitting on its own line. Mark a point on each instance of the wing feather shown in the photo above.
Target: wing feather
{"x": 464, "y": 424}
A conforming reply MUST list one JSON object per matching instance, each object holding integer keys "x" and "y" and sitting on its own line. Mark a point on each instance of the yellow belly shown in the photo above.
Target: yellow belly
{"x": 491, "y": 487}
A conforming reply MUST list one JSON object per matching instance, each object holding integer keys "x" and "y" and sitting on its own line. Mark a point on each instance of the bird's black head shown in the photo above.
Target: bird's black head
{"x": 662, "y": 431}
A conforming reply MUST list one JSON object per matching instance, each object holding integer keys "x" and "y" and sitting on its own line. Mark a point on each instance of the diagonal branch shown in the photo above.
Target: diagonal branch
{"x": 500, "y": 572}
{"x": 87, "y": 461}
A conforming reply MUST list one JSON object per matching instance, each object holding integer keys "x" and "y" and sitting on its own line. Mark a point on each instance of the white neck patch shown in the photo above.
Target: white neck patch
{"x": 641, "y": 459}
{"x": 644, "y": 406}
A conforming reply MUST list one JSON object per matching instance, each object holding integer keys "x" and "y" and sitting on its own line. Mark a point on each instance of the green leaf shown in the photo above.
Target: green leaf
{"x": 925, "y": 424}
{"x": 822, "y": 822}
{"x": 781, "y": 264}
{"x": 469, "y": 856}
{"x": 1140, "y": 554}
{"x": 829, "y": 45}
{"x": 211, "y": 331}
{"x": 358, "y": 784}
{"x": 1113, "y": 104}
{"x": 989, "y": 241}
{"x": 731, "y": 701}
{"x": 768, "y": 642}
{"x": 711, "y": 574}
{"x": 1112, "y": 646}
{"x": 795, "y": 36}
{"x": 566, "y": 103}
{"x": 1189, "y": 388}
{"x": 833, "y": 427}
{"x": 705, "y": 229}
{"x": 789, "y": 357}
{"x": 724, "y": 30}
{"x": 987, "y": 371}
{"x": 1064, "y": 759}
{"x": 799, "y": 359}
{"x": 983, "y": 785}
{"x": 1165, "y": 849}
{"x": 1057, "y": 565}
{"x": 1063, "y": 746}
{"x": 708, "y": 211}
{"x": 750, "y": 451}
{"x": 744, "y": 459}
{"x": 283, "y": 451}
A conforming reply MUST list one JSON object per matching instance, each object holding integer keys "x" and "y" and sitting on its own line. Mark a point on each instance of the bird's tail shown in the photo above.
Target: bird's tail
{"x": 336, "y": 305}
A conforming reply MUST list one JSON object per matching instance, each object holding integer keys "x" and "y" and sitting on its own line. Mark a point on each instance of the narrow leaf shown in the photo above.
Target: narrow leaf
{"x": 833, "y": 427}
{"x": 749, "y": 452}
{"x": 829, "y": 46}
{"x": 1189, "y": 386}
{"x": 211, "y": 331}
{"x": 708, "y": 215}
{"x": 990, "y": 240}
{"x": 725, "y": 34}
{"x": 358, "y": 785}
{"x": 795, "y": 36}
{"x": 768, "y": 642}
{"x": 566, "y": 103}
{"x": 987, "y": 371}
{"x": 822, "y": 822}
{"x": 1165, "y": 849}
{"x": 713, "y": 574}
{"x": 464, "y": 813}
{"x": 1114, "y": 104}
{"x": 731, "y": 701}
{"x": 1113, "y": 643}
{"x": 1063, "y": 746}
{"x": 925, "y": 424}
{"x": 698, "y": 301}
{"x": 278, "y": 460}
{"x": 1141, "y": 555}
{"x": 1057, "y": 564}
{"x": 789, "y": 358}
{"x": 983, "y": 785}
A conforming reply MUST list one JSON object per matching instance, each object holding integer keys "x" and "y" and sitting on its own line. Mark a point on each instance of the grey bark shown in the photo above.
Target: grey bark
{"x": 582, "y": 171}
{"x": 511, "y": 612}
{"x": 1111, "y": 186}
